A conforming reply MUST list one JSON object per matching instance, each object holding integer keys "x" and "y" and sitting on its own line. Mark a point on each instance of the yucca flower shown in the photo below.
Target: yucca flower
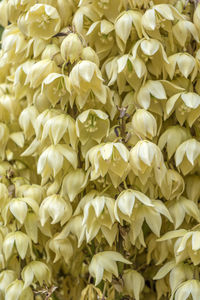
{"x": 186, "y": 107}
{"x": 56, "y": 88}
{"x": 16, "y": 291}
{"x": 133, "y": 282}
{"x": 187, "y": 155}
{"x": 61, "y": 247}
{"x": 98, "y": 213}
{"x": 145, "y": 158}
{"x": 101, "y": 37}
{"x": 53, "y": 158}
{"x": 144, "y": 124}
{"x": 86, "y": 78}
{"x": 103, "y": 265}
{"x": 55, "y": 207}
{"x": 111, "y": 158}
{"x": 41, "y": 20}
{"x": 60, "y": 127}
{"x": 92, "y": 124}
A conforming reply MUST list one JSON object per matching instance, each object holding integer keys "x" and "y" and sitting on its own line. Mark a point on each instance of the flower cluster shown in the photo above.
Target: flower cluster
{"x": 100, "y": 149}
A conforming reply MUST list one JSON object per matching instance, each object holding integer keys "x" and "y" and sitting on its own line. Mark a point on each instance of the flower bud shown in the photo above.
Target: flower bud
{"x": 133, "y": 283}
{"x": 71, "y": 48}
{"x": 52, "y": 52}
{"x": 144, "y": 124}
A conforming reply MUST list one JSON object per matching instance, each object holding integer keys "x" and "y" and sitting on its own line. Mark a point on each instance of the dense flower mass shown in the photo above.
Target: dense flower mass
{"x": 100, "y": 150}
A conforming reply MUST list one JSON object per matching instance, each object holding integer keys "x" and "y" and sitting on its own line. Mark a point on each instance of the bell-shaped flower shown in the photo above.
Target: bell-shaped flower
{"x": 17, "y": 241}
{"x": 103, "y": 265}
{"x": 187, "y": 155}
{"x": 36, "y": 271}
{"x": 27, "y": 120}
{"x": 18, "y": 207}
{"x": 153, "y": 54}
{"x": 124, "y": 69}
{"x": 187, "y": 290}
{"x": 127, "y": 201}
{"x": 127, "y": 23}
{"x": 74, "y": 226}
{"x": 14, "y": 43}
{"x": 182, "y": 64}
{"x": 92, "y": 124}
{"x": 84, "y": 17}
{"x": 160, "y": 17}
{"x": 186, "y": 107}
{"x": 52, "y": 160}
{"x": 98, "y": 213}
{"x": 71, "y": 48}
{"x": 61, "y": 126}
{"x": 6, "y": 278}
{"x": 145, "y": 158}
{"x": 40, "y": 21}
{"x": 101, "y": 37}
{"x": 133, "y": 283}
{"x": 186, "y": 246}
{"x": 46, "y": 115}
{"x": 73, "y": 183}
{"x": 62, "y": 248}
{"x": 181, "y": 207}
{"x": 173, "y": 185}
{"x": 17, "y": 291}
{"x": 135, "y": 207}
{"x": 55, "y": 207}
{"x": 86, "y": 78}
{"x": 56, "y": 88}
{"x": 184, "y": 31}
{"x": 111, "y": 158}
{"x": 39, "y": 71}
{"x": 172, "y": 138}
{"x": 144, "y": 124}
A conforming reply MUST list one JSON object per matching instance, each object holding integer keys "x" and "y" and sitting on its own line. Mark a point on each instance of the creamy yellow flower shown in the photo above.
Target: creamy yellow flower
{"x": 6, "y": 278}
{"x": 98, "y": 212}
{"x": 60, "y": 127}
{"x": 55, "y": 207}
{"x": 61, "y": 247}
{"x": 187, "y": 155}
{"x": 184, "y": 31}
{"x": 71, "y": 48}
{"x": 39, "y": 71}
{"x": 178, "y": 209}
{"x": 73, "y": 183}
{"x": 103, "y": 265}
{"x": 133, "y": 283}
{"x": 92, "y": 124}
{"x": 145, "y": 158}
{"x": 22, "y": 243}
{"x": 4, "y": 136}
{"x": 186, "y": 107}
{"x": 41, "y": 20}
{"x": 27, "y": 121}
{"x": 101, "y": 37}
{"x": 173, "y": 185}
{"x": 111, "y": 158}
{"x": 144, "y": 124}
{"x": 16, "y": 291}
{"x": 172, "y": 137}
{"x": 183, "y": 64}
{"x": 18, "y": 207}
{"x": 126, "y": 23}
{"x": 85, "y": 78}
{"x": 36, "y": 271}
